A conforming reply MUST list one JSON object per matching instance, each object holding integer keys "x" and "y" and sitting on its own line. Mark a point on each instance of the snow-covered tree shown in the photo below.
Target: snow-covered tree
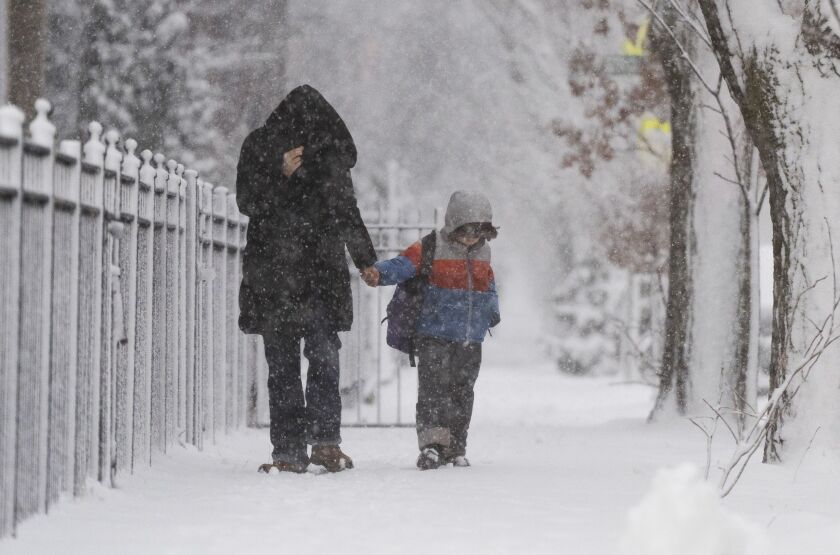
{"x": 709, "y": 337}
{"x": 585, "y": 304}
{"x": 234, "y": 79}
{"x": 134, "y": 69}
{"x": 190, "y": 77}
{"x": 780, "y": 61}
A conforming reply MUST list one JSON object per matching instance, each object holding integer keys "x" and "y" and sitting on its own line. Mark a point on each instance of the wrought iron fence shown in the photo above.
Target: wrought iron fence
{"x": 118, "y": 315}
{"x": 118, "y": 311}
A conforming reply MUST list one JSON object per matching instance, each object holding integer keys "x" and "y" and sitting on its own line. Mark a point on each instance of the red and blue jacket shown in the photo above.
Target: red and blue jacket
{"x": 460, "y": 301}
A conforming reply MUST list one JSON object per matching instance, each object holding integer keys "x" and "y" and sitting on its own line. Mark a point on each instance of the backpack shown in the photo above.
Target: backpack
{"x": 404, "y": 309}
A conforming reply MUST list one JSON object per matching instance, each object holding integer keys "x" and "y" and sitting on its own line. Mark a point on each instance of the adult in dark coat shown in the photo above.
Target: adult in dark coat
{"x": 293, "y": 181}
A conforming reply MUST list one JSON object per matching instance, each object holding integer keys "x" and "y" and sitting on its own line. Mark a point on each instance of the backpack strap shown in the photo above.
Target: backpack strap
{"x": 427, "y": 256}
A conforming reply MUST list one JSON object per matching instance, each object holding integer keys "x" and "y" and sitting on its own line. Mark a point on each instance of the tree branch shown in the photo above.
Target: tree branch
{"x": 720, "y": 48}
{"x": 662, "y": 23}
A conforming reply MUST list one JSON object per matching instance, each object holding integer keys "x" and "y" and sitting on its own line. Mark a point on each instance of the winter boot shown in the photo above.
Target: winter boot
{"x": 459, "y": 461}
{"x": 430, "y": 458}
{"x": 330, "y": 457}
{"x": 282, "y": 466}
{"x": 455, "y": 459}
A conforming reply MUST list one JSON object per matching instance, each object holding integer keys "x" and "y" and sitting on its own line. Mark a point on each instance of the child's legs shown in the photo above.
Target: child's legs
{"x": 466, "y": 362}
{"x": 433, "y": 397}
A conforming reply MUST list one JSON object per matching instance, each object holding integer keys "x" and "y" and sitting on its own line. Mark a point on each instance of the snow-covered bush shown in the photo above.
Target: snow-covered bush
{"x": 586, "y": 340}
{"x": 682, "y": 514}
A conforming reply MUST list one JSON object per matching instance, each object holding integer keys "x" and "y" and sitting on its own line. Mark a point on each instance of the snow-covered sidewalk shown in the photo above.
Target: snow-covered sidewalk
{"x": 558, "y": 463}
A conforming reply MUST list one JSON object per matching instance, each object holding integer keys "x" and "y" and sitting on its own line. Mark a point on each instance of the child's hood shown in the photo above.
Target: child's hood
{"x": 466, "y": 207}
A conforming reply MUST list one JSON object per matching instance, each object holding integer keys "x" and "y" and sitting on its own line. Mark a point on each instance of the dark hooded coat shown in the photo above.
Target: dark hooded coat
{"x": 294, "y": 270}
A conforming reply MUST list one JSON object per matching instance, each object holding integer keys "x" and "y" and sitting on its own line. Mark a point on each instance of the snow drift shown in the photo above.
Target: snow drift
{"x": 683, "y": 514}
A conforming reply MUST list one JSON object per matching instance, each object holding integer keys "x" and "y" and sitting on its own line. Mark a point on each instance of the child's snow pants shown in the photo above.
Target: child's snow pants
{"x": 447, "y": 372}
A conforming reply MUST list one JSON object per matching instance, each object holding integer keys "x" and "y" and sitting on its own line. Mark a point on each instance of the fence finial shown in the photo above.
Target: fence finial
{"x": 113, "y": 156}
{"x": 41, "y": 129}
{"x": 94, "y": 149}
{"x": 131, "y": 163}
{"x": 11, "y": 121}
{"x": 191, "y": 177}
{"x": 180, "y": 170}
{"x": 173, "y": 180}
{"x": 160, "y": 173}
{"x": 71, "y": 148}
{"x": 147, "y": 171}
{"x": 220, "y": 202}
{"x": 232, "y": 209}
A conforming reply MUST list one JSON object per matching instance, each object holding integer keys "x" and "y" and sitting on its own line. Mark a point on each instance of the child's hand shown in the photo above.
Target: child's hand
{"x": 370, "y": 275}
{"x": 292, "y": 161}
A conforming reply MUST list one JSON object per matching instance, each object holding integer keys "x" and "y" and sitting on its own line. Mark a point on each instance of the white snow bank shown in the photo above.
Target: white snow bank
{"x": 683, "y": 514}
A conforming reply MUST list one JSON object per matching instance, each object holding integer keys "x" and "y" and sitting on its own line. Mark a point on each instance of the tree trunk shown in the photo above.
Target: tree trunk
{"x": 27, "y": 37}
{"x": 782, "y": 82}
{"x": 674, "y": 383}
{"x": 721, "y": 266}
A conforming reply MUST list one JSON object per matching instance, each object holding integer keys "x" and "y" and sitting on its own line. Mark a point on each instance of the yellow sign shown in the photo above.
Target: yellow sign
{"x": 636, "y": 48}
{"x": 653, "y": 123}
{"x": 654, "y": 141}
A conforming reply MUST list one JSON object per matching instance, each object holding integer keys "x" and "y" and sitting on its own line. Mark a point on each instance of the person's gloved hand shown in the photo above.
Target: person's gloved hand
{"x": 370, "y": 276}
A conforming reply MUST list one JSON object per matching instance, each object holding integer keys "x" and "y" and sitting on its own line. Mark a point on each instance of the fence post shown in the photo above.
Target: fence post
{"x": 144, "y": 330}
{"x": 125, "y": 353}
{"x": 191, "y": 353}
{"x": 183, "y": 393}
{"x": 244, "y": 340}
{"x": 232, "y": 305}
{"x": 159, "y": 362}
{"x": 35, "y": 300}
{"x": 65, "y": 314}
{"x": 90, "y": 309}
{"x": 173, "y": 186}
{"x": 205, "y": 302}
{"x": 11, "y": 155}
{"x": 112, "y": 328}
{"x": 221, "y": 377}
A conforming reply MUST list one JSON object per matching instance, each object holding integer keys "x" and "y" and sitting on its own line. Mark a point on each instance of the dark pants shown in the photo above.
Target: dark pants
{"x": 447, "y": 372}
{"x": 296, "y": 421}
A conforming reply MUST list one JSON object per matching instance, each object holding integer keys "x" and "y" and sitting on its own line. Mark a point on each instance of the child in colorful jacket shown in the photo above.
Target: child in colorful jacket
{"x": 459, "y": 306}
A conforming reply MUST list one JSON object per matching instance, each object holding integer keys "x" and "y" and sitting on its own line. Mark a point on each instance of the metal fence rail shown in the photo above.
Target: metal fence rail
{"x": 118, "y": 310}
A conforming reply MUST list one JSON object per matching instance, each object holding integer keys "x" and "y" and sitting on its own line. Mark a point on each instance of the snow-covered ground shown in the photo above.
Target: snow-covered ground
{"x": 558, "y": 465}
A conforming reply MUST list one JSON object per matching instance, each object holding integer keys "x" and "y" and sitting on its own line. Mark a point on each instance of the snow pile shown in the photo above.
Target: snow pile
{"x": 683, "y": 514}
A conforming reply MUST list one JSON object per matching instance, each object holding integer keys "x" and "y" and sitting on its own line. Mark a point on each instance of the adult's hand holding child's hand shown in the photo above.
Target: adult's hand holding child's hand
{"x": 370, "y": 276}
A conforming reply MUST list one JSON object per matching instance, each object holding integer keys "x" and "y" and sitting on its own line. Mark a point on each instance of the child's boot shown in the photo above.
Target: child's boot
{"x": 430, "y": 458}
{"x": 454, "y": 458}
{"x": 460, "y": 461}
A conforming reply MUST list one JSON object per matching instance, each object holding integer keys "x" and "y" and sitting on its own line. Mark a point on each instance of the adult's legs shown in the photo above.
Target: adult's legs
{"x": 323, "y": 400}
{"x": 433, "y": 397}
{"x": 285, "y": 398}
{"x": 466, "y": 362}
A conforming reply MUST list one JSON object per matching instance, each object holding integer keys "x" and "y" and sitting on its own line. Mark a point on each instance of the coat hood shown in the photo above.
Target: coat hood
{"x": 467, "y": 207}
{"x": 305, "y": 118}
